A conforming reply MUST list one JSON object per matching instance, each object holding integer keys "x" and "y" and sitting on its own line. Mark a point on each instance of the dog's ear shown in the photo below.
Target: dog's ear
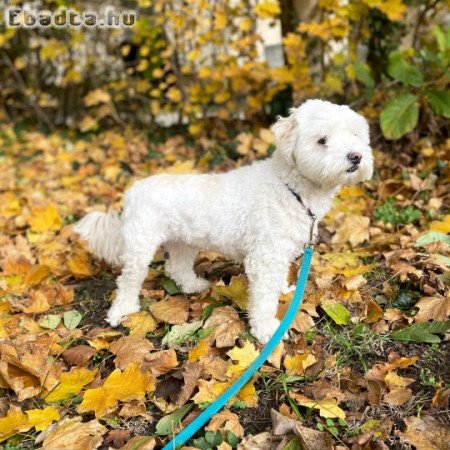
{"x": 285, "y": 130}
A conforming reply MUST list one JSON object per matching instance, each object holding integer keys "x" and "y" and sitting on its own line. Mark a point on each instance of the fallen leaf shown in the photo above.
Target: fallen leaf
{"x": 140, "y": 324}
{"x": 130, "y": 349}
{"x": 117, "y": 437}
{"x": 236, "y": 290}
{"x": 374, "y": 312}
{"x": 432, "y": 308}
{"x": 42, "y": 418}
{"x": 127, "y": 385}
{"x": 79, "y": 355}
{"x": 243, "y": 356}
{"x": 71, "y": 384}
{"x": 160, "y": 362}
{"x": 174, "y": 310}
{"x": 140, "y": 443}
{"x": 261, "y": 441}
{"x": 297, "y": 364}
{"x": 337, "y": 311}
{"x": 43, "y": 219}
{"x": 327, "y": 407}
{"x": 353, "y": 229}
{"x": 226, "y": 420}
{"x": 72, "y": 434}
{"x": 227, "y": 325}
{"x": 425, "y": 433}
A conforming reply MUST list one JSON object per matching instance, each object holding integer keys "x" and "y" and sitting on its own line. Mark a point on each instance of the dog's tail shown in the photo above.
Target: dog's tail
{"x": 103, "y": 231}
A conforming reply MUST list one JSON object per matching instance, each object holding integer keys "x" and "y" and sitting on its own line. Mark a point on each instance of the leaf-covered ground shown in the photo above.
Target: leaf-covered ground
{"x": 366, "y": 366}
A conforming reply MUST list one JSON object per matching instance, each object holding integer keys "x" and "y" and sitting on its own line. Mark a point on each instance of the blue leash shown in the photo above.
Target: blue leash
{"x": 185, "y": 434}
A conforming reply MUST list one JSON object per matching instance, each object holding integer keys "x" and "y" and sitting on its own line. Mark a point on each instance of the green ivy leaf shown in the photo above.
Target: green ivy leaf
{"x": 399, "y": 116}
{"x": 439, "y": 102}
{"x": 168, "y": 423}
{"x": 400, "y": 69}
{"x": 422, "y": 332}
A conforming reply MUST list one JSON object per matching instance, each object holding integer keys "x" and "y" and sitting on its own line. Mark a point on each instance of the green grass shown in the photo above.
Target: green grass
{"x": 354, "y": 343}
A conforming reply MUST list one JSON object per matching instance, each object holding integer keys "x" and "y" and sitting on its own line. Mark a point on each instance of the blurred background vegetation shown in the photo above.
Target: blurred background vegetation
{"x": 215, "y": 67}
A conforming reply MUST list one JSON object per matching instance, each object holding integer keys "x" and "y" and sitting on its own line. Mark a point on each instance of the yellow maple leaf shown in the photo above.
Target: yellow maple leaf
{"x": 328, "y": 407}
{"x": 14, "y": 421}
{"x": 71, "y": 384}
{"x": 44, "y": 219}
{"x": 201, "y": 350}
{"x": 42, "y": 418}
{"x": 297, "y": 364}
{"x": 441, "y": 226}
{"x": 237, "y": 291}
{"x": 140, "y": 323}
{"x": 127, "y": 385}
{"x": 244, "y": 357}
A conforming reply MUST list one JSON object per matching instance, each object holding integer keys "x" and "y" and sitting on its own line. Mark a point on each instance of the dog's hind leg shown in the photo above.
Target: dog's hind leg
{"x": 139, "y": 250}
{"x": 180, "y": 267}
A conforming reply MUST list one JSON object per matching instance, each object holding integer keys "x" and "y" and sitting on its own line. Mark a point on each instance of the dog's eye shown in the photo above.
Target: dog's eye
{"x": 322, "y": 140}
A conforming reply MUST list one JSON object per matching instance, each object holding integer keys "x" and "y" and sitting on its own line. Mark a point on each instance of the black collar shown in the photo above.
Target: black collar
{"x": 300, "y": 200}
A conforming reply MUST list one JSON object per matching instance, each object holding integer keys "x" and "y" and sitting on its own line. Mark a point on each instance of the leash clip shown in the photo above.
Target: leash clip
{"x": 311, "y": 229}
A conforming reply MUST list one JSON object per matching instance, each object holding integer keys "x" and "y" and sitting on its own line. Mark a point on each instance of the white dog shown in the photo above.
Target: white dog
{"x": 256, "y": 214}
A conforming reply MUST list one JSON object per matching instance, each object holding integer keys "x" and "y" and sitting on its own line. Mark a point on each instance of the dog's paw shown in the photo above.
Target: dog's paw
{"x": 264, "y": 330}
{"x": 117, "y": 313}
{"x": 195, "y": 286}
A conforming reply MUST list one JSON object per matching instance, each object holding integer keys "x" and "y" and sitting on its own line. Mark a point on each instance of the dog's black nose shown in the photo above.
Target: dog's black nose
{"x": 354, "y": 157}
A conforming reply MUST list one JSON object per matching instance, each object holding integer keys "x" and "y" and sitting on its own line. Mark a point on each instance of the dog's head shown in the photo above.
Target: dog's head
{"x": 326, "y": 143}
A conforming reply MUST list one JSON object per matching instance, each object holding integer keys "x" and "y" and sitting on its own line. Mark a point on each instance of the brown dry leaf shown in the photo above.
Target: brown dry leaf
{"x": 26, "y": 368}
{"x": 174, "y": 310}
{"x": 353, "y": 229}
{"x": 354, "y": 283}
{"x": 425, "y": 433}
{"x": 133, "y": 409}
{"x": 261, "y": 441}
{"x": 160, "y": 362}
{"x": 226, "y": 420}
{"x": 398, "y": 393}
{"x": 312, "y": 439}
{"x": 374, "y": 312}
{"x": 140, "y": 443}
{"x": 117, "y": 437}
{"x": 140, "y": 324}
{"x": 72, "y": 434}
{"x": 227, "y": 325}
{"x": 432, "y": 308}
{"x": 79, "y": 355}
{"x": 275, "y": 357}
{"x": 130, "y": 349}
{"x": 191, "y": 374}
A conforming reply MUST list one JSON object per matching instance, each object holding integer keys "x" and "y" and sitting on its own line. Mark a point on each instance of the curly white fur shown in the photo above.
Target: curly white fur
{"x": 248, "y": 214}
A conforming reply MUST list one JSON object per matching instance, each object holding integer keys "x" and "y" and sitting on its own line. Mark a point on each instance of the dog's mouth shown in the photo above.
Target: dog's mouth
{"x": 352, "y": 169}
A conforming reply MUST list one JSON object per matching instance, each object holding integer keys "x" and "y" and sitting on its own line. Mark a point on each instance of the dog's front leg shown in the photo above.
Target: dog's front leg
{"x": 267, "y": 273}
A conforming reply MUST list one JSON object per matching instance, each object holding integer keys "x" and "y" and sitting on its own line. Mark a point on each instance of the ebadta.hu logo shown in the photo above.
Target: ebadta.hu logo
{"x": 108, "y": 17}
